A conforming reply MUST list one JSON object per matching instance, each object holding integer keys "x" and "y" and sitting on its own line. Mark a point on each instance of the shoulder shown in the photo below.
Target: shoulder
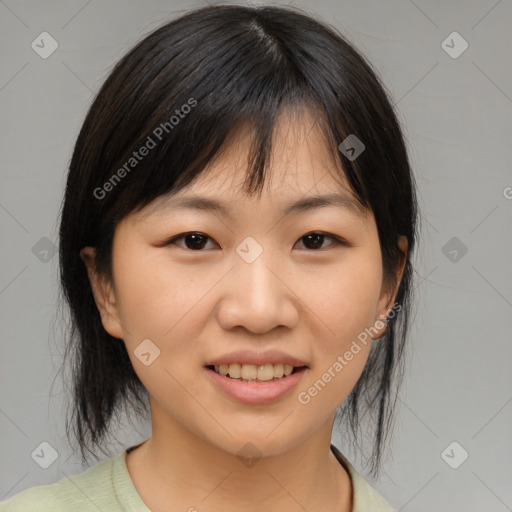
{"x": 365, "y": 497}
{"x": 90, "y": 490}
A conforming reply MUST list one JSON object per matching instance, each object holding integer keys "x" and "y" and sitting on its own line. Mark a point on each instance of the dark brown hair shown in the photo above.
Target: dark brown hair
{"x": 239, "y": 65}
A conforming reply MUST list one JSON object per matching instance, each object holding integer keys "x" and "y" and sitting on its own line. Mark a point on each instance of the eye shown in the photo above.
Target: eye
{"x": 194, "y": 241}
{"x": 197, "y": 241}
{"x": 315, "y": 240}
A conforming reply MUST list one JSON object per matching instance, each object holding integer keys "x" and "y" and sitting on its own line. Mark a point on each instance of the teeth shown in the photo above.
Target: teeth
{"x": 263, "y": 372}
{"x": 266, "y": 372}
{"x": 249, "y": 371}
{"x": 278, "y": 370}
{"x": 288, "y": 368}
{"x": 235, "y": 371}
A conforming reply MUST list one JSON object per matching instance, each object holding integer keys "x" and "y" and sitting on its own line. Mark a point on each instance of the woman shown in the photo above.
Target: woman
{"x": 235, "y": 249}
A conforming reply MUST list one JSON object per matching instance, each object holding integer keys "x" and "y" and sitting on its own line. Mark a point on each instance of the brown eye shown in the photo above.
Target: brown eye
{"x": 196, "y": 241}
{"x": 192, "y": 241}
{"x": 314, "y": 241}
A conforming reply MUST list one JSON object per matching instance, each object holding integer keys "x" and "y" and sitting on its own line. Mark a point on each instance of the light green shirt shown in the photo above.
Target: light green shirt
{"x": 108, "y": 487}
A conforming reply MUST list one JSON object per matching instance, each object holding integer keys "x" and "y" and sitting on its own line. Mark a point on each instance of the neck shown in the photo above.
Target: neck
{"x": 194, "y": 474}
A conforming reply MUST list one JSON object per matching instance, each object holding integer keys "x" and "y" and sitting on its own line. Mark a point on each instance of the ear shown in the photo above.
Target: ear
{"x": 103, "y": 294}
{"x": 389, "y": 292}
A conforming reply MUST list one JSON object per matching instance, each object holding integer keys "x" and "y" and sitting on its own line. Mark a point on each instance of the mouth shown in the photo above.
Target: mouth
{"x": 255, "y": 373}
{"x": 251, "y": 384}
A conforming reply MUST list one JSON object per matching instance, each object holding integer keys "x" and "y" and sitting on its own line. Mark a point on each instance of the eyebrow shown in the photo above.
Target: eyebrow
{"x": 343, "y": 201}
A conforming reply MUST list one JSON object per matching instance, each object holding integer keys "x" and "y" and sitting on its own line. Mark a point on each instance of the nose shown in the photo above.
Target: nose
{"x": 258, "y": 296}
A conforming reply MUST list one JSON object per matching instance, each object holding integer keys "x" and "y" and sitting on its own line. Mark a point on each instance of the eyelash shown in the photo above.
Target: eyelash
{"x": 337, "y": 241}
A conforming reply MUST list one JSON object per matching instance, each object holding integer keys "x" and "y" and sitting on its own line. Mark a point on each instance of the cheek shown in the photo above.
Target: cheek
{"x": 153, "y": 297}
{"x": 160, "y": 304}
{"x": 168, "y": 305}
{"x": 345, "y": 301}
{"x": 345, "y": 307}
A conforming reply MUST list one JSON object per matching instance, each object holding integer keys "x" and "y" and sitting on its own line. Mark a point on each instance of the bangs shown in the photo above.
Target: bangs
{"x": 182, "y": 116}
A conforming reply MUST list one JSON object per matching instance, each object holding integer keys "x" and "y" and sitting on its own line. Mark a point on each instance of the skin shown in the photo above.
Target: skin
{"x": 198, "y": 304}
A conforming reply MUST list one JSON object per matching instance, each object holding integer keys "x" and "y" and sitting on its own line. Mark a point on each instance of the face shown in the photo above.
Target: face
{"x": 249, "y": 289}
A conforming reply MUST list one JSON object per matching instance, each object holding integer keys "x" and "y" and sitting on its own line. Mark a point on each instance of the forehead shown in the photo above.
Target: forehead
{"x": 300, "y": 155}
{"x": 300, "y": 166}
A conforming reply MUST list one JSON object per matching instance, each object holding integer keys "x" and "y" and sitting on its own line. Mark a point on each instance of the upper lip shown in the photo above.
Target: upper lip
{"x": 256, "y": 358}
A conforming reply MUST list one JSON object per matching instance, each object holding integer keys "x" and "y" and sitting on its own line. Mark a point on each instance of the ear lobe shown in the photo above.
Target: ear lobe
{"x": 388, "y": 292}
{"x": 103, "y": 294}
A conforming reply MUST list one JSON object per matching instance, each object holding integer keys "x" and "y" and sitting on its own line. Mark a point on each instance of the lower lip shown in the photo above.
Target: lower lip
{"x": 256, "y": 393}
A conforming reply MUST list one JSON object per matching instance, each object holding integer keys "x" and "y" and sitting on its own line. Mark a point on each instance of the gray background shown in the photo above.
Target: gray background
{"x": 457, "y": 118}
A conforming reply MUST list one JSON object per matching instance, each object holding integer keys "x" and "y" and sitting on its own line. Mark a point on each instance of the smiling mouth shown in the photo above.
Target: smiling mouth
{"x": 256, "y": 373}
